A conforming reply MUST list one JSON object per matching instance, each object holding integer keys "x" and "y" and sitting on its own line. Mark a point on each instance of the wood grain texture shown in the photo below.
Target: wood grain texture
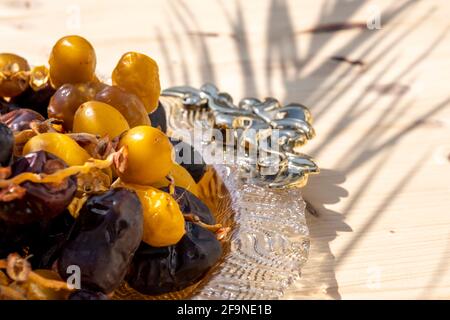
{"x": 383, "y": 125}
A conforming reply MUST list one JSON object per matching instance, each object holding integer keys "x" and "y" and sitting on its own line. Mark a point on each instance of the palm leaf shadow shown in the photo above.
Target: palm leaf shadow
{"x": 373, "y": 144}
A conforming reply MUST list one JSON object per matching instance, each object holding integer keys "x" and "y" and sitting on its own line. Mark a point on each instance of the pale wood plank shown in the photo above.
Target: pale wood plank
{"x": 384, "y": 198}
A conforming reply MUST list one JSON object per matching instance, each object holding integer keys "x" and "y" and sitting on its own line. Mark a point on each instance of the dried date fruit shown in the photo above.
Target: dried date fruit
{"x": 106, "y": 234}
{"x": 34, "y": 100}
{"x": 41, "y": 201}
{"x": 158, "y": 118}
{"x": 128, "y": 104}
{"x": 189, "y": 158}
{"x": 166, "y": 269}
{"x": 16, "y": 238}
{"x": 181, "y": 178}
{"x": 189, "y": 203}
{"x": 20, "y": 119}
{"x": 6, "y": 145}
{"x": 47, "y": 248}
{"x": 6, "y": 106}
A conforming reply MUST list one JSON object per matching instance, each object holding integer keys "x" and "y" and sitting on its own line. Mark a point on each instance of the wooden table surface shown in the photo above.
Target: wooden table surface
{"x": 380, "y": 98}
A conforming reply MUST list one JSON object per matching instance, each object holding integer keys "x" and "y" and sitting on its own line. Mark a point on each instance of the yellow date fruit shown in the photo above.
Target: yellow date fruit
{"x": 72, "y": 60}
{"x": 150, "y": 155}
{"x": 163, "y": 219}
{"x": 99, "y": 118}
{"x": 60, "y": 145}
{"x": 139, "y": 74}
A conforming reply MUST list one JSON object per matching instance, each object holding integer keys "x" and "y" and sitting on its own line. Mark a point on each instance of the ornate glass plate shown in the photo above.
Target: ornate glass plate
{"x": 268, "y": 242}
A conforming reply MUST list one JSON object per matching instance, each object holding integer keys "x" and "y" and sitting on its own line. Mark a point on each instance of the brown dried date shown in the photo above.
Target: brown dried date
{"x": 6, "y": 145}
{"x": 42, "y": 201}
{"x": 166, "y": 269}
{"x": 20, "y": 119}
{"x": 104, "y": 238}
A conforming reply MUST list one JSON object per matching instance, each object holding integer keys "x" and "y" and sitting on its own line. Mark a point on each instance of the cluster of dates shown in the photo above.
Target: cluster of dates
{"x": 88, "y": 180}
